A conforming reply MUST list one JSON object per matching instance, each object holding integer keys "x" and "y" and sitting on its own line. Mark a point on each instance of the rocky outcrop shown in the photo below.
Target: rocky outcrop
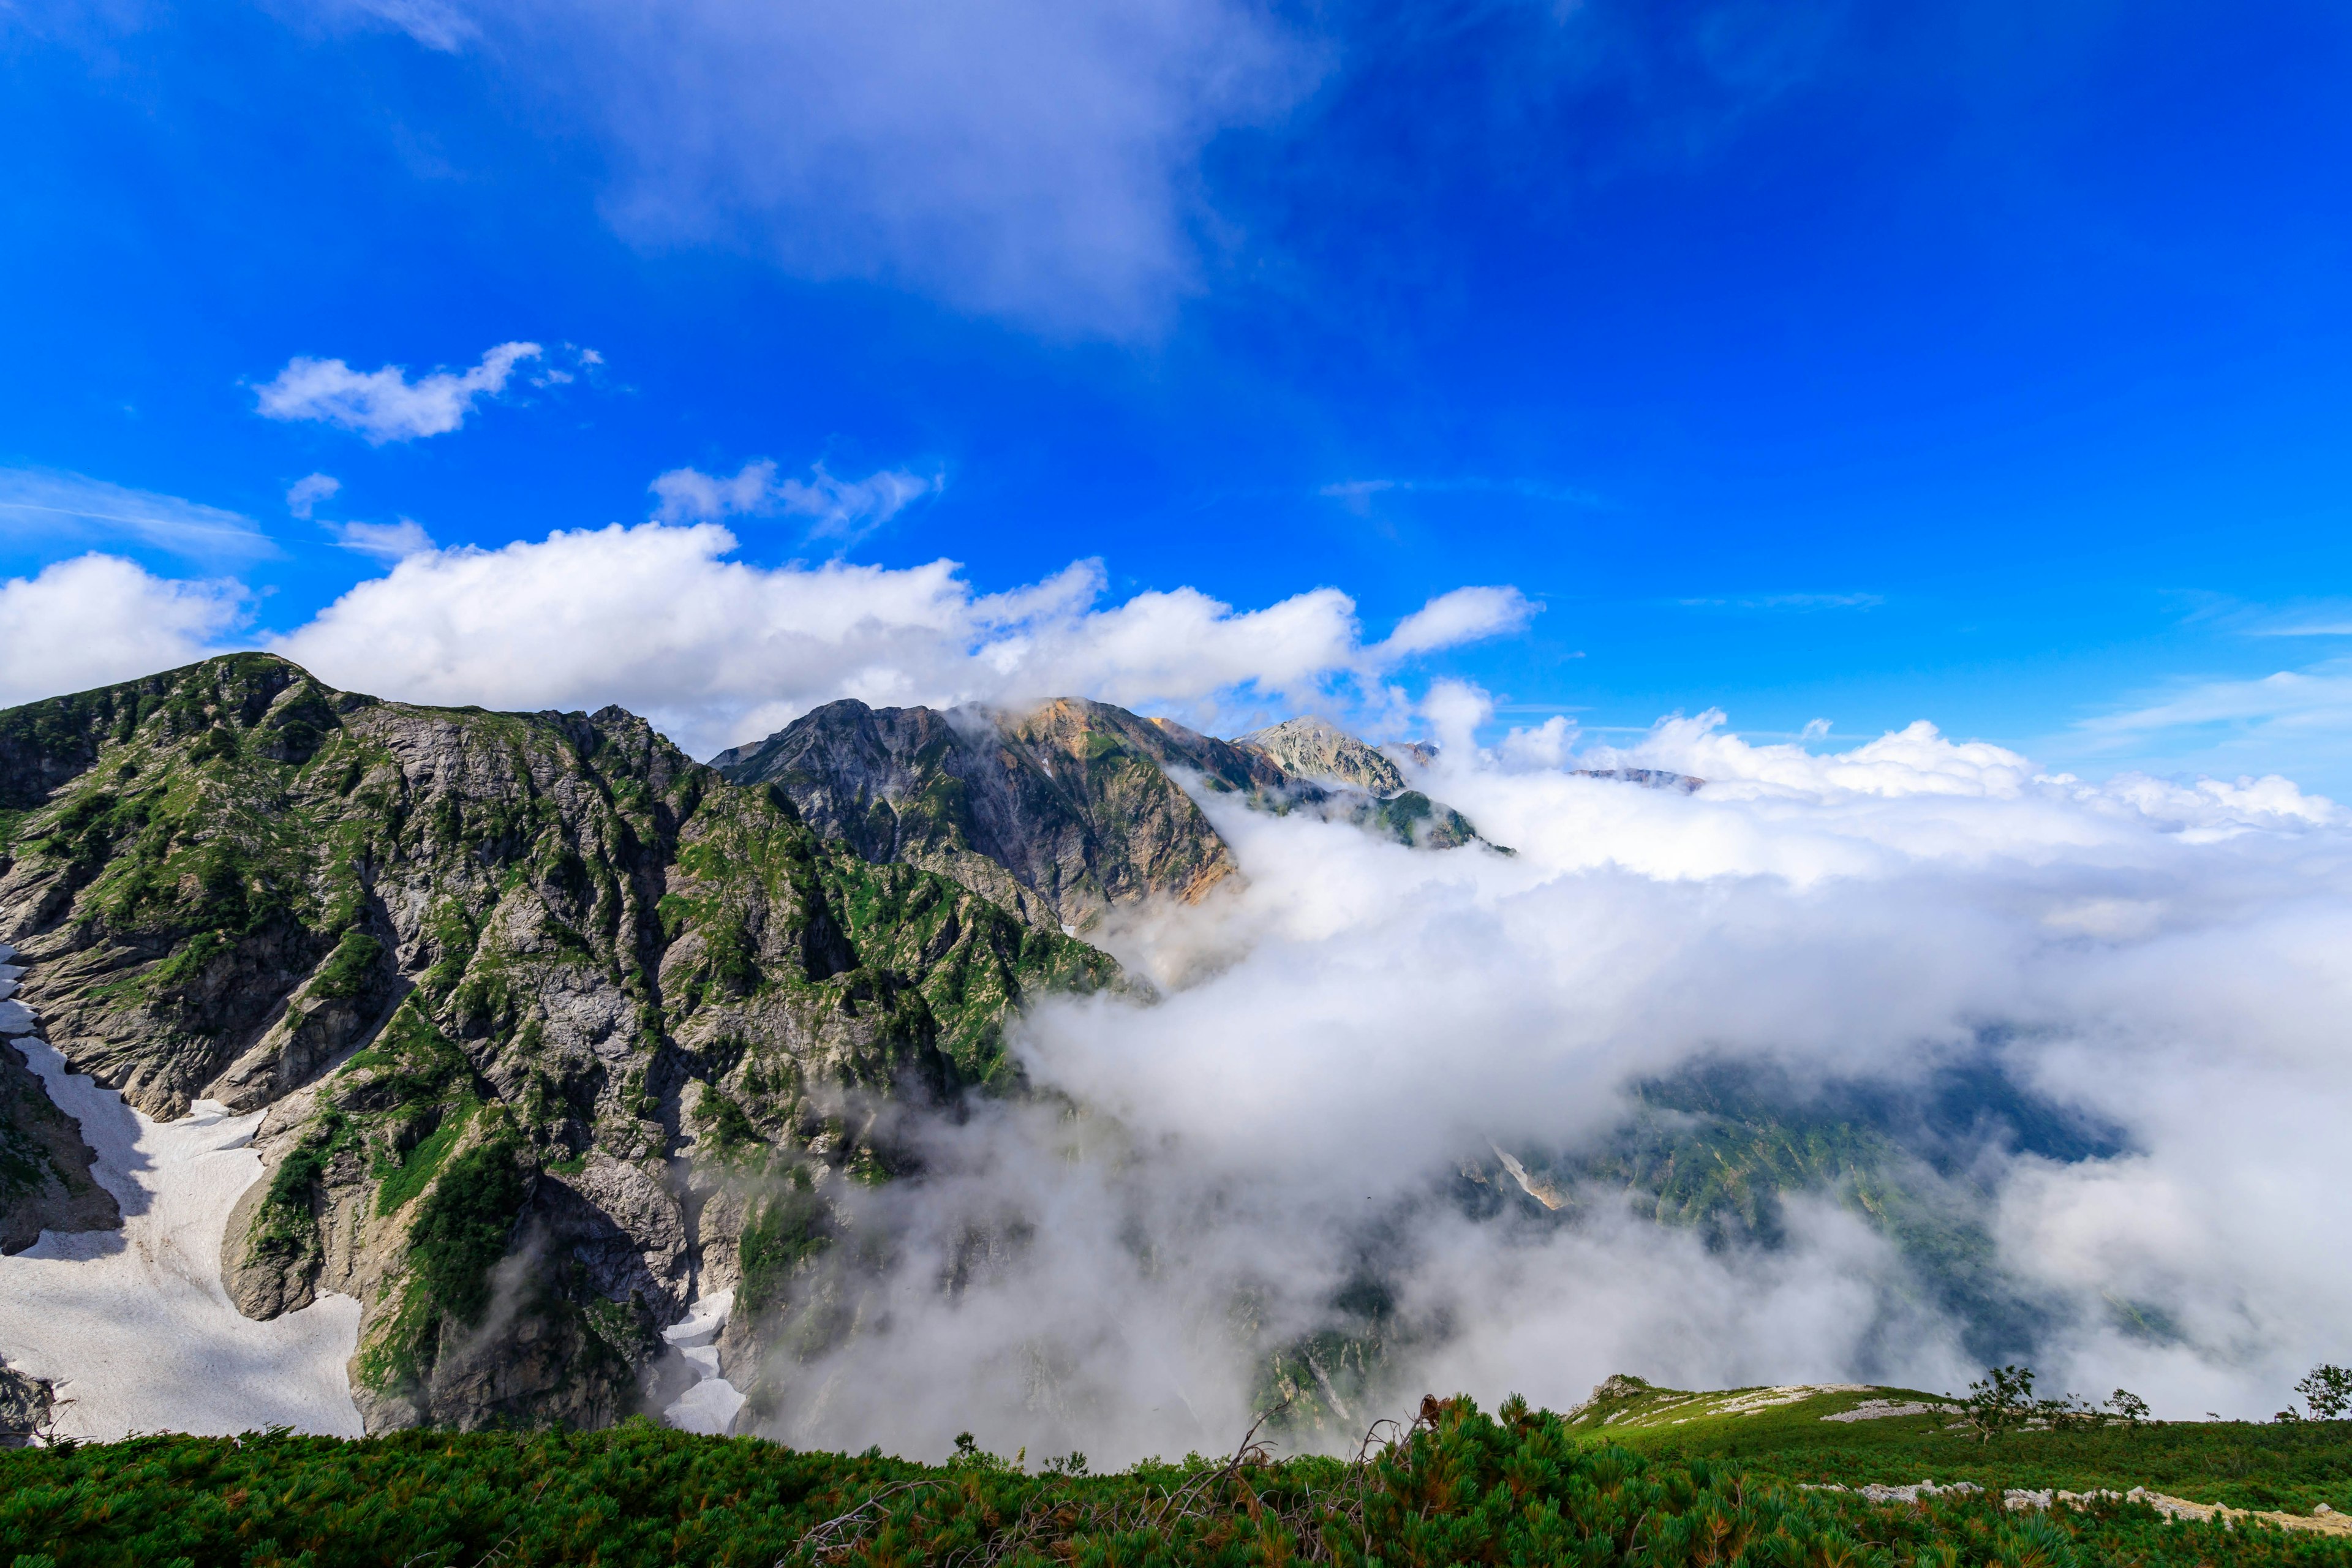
{"x": 1340, "y": 777}
{"x": 1648, "y": 778}
{"x": 24, "y": 1405}
{"x": 1315, "y": 748}
{"x": 45, "y": 1167}
{"x": 1062, "y": 812}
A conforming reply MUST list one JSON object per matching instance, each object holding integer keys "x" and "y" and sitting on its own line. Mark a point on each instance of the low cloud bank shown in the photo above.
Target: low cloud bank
{"x": 1291, "y": 1131}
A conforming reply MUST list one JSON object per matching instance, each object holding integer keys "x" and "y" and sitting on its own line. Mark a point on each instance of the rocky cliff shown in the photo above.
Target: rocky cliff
{"x": 1056, "y": 814}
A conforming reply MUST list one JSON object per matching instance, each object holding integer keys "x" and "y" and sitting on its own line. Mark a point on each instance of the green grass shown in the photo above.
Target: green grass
{"x": 423, "y": 1160}
{"x": 1457, "y": 1486}
{"x": 2286, "y": 1466}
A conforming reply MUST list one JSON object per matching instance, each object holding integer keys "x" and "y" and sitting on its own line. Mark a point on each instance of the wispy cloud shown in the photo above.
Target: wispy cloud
{"x": 2315, "y": 698}
{"x": 1023, "y": 158}
{"x": 1452, "y": 619}
{"x": 382, "y": 541}
{"x": 433, "y": 22}
{"x": 2298, "y": 618}
{"x": 1788, "y": 602}
{"x": 1357, "y": 495}
{"x": 51, "y": 506}
{"x": 384, "y": 404}
{"x": 304, "y": 494}
{"x": 837, "y": 509}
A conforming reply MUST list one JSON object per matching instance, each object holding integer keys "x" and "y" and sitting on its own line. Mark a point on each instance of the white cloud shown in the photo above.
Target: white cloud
{"x": 1017, "y": 157}
{"x": 303, "y": 495}
{"x": 384, "y": 404}
{"x": 846, "y": 510}
{"x": 383, "y": 541}
{"x": 2298, "y": 720}
{"x": 2318, "y": 697}
{"x": 51, "y": 506}
{"x": 1341, "y": 1031}
{"x": 100, "y": 618}
{"x": 1465, "y": 615}
{"x": 658, "y": 618}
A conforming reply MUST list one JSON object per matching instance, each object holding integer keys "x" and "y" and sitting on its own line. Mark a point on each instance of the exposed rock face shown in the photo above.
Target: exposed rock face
{"x": 24, "y": 1403}
{"x": 504, "y": 981}
{"x": 1342, "y": 777}
{"x": 44, "y": 1166}
{"x": 1056, "y": 814}
{"x": 1648, "y": 778}
{"x": 1065, "y": 811}
{"x": 1314, "y": 748}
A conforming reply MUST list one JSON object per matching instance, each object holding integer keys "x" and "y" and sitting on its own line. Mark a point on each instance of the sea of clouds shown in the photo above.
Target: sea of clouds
{"x": 1337, "y": 1038}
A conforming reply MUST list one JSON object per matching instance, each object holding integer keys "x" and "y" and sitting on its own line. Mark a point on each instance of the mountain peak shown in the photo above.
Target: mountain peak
{"x": 1314, "y": 747}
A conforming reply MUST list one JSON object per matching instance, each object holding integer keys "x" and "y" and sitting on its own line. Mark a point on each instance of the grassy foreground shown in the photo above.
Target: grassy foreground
{"x": 2291, "y": 1467}
{"x": 1457, "y": 1486}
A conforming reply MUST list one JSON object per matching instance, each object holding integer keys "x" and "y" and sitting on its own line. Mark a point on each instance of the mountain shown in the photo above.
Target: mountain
{"x": 1062, "y": 812}
{"x": 1356, "y": 782}
{"x": 1315, "y": 748}
{"x": 501, "y": 980}
{"x": 556, "y": 1030}
{"x": 1057, "y": 814}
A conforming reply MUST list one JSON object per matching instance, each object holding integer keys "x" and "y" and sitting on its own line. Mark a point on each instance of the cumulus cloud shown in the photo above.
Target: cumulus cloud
{"x": 717, "y": 651}
{"x": 844, "y": 510}
{"x": 1025, "y": 159}
{"x": 50, "y": 505}
{"x": 1344, "y": 1035}
{"x": 98, "y": 618}
{"x": 384, "y": 404}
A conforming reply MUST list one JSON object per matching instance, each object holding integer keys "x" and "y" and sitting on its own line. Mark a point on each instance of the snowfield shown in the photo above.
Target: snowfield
{"x": 133, "y": 1327}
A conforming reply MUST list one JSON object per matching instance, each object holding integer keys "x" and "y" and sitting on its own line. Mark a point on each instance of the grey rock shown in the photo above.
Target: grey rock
{"x": 46, "y": 1181}
{"x": 24, "y": 1405}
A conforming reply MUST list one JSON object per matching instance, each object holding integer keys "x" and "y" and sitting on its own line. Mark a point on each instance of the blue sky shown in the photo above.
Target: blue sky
{"x": 1986, "y": 364}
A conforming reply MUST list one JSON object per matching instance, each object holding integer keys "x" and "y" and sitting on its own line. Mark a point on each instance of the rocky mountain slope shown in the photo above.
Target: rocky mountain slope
{"x": 512, "y": 985}
{"x": 1062, "y": 812}
{"x": 557, "y": 1030}
{"x": 1057, "y": 814}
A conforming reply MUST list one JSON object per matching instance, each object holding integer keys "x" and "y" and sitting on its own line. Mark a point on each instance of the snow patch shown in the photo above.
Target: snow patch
{"x": 134, "y": 1326}
{"x": 712, "y": 1406}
